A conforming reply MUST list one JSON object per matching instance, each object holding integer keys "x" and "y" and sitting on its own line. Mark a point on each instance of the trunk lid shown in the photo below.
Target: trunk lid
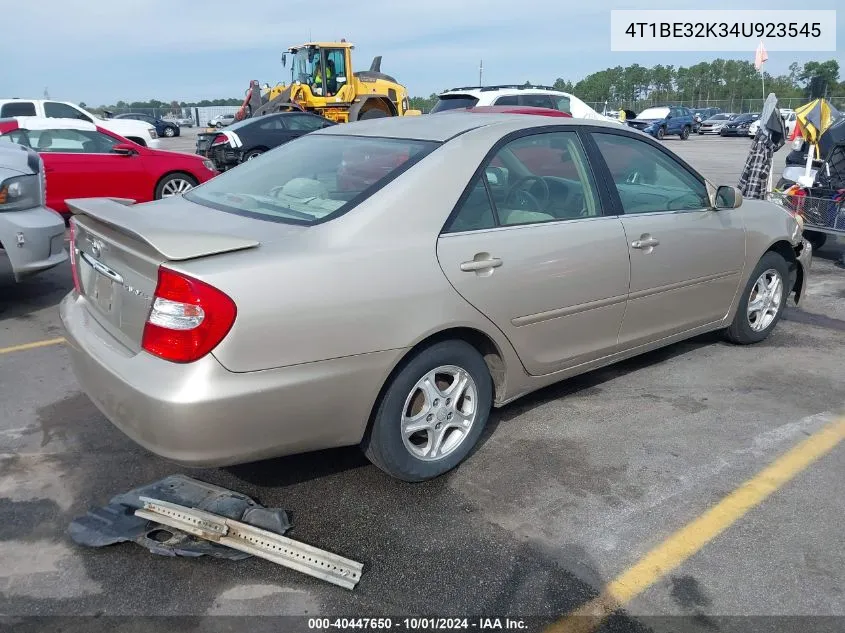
{"x": 118, "y": 248}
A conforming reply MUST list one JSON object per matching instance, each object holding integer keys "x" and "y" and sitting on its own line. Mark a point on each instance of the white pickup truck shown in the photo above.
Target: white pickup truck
{"x": 136, "y": 131}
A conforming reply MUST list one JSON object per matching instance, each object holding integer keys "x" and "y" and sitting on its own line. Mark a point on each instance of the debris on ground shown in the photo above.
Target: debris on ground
{"x": 181, "y": 516}
{"x": 117, "y": 522}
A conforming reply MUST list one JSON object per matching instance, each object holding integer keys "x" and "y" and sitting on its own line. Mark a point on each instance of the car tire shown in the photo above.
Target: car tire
{"x": 397, "y": 449}
{"x": 661, "y": 132}
{"x": 174, "y": 184}
{"x": 169, "y": 132}
{"x": 816, "y": 239}
{"x": 373, "y": 113}
{"x": 756, "y": 325}
{"x": 685, "y": 133}
{"x": 253, "y": 153}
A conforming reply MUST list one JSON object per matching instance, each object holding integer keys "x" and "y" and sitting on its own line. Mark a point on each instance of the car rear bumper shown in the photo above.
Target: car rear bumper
{"x": 201, "y": 414}
{"x": 34, "y": 240}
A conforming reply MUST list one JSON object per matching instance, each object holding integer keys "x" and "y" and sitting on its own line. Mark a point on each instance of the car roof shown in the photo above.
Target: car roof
{"x": 443, "y": 126}
{"x": 50, "y": 123}
{"x": 503, "y": 89}
{"x": 520, "y": 110}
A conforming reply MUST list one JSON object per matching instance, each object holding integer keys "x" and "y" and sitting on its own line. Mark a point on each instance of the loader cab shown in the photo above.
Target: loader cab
{"x": 310, "y": 63}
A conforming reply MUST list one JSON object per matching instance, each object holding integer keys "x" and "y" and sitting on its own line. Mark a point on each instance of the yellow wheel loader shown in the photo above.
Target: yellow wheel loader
{"x": 323, "y": 82}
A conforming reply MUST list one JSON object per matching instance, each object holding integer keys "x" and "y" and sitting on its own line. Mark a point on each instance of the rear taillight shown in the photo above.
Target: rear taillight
{"x": 188, "y": 318}
{"x": 220, "y": 139}
{"x": 74, "y": 271}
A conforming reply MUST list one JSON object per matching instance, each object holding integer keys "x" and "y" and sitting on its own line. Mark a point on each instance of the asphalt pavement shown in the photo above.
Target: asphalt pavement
{"x": 570, "y": 488}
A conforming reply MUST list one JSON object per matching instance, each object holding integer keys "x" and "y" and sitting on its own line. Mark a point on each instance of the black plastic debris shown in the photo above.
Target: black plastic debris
{"x": 117, "y": 523}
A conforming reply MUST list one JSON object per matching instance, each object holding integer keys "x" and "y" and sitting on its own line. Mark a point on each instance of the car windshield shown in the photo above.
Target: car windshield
{"x": 311, "y": 179}
{"x": 654, "y": 113}
{"x": 720, "y": 117}
{"x": 742, "y": 118}
{"x": 453, "y": 102}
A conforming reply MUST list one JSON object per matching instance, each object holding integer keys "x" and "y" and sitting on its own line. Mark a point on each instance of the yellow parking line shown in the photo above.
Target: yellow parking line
{"x": 26, "y": 346}
{"x": 690, "y": 539}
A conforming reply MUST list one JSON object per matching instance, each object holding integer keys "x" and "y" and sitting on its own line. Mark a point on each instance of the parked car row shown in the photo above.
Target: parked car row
{"x": 465, "y": 203}
{"x": 84, "y": 160}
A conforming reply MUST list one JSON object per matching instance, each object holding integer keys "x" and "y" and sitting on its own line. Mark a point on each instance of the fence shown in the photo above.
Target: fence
{"x": 199, "y": 115}
{"x": 726, "y": 105}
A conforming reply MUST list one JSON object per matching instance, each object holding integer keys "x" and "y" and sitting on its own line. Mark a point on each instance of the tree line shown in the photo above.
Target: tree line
{"x": 635, "y": 86}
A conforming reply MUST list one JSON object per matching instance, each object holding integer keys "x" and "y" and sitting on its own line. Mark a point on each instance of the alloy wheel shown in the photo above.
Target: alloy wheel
{"x": 439, "y": 412}
{"x": 765, "y": 299}
{"x": 175, "y": 187}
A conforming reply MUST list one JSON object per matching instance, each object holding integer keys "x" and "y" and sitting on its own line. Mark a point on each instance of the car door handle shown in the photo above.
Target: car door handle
{"x": 645, "y": 243}
{"x": 481, "y": 264}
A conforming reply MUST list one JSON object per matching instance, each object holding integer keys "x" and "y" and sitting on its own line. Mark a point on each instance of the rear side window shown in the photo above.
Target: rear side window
{"x": 508, "y": 100}
{"x": 311, "y": 179}
{"x": 17, "y": 108}
{"x": 537, "y": 101}
{"x": 454, "y": 102}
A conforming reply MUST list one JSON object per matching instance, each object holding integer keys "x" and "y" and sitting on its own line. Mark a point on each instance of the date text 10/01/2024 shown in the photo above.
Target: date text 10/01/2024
{"x": 724, "y": 30}
{"x": 411, "y": 624}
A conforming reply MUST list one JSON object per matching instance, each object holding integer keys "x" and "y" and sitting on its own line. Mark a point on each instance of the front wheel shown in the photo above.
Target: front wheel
{"x": 685, "y": 132}
{"x": 762, "y": 301}
{"x": 169, "y": 132}
{"x": 432, "y": 412}
{"x": 661, "y": 132}
{"x": 174, "y": 185}
{"x": 373, "y": 113}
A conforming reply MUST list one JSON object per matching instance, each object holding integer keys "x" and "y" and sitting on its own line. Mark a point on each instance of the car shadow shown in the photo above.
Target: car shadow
{"x": 589, "y": 382}
{"x": 38, "y": 292}
{"x": 295, "y": 469}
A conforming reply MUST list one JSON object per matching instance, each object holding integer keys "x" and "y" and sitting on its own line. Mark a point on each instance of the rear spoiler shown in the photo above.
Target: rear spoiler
{"x": 173, "y": 245}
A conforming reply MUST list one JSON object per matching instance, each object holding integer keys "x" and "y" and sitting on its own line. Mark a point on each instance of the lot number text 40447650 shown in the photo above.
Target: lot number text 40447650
{"x": 419, "y": 624}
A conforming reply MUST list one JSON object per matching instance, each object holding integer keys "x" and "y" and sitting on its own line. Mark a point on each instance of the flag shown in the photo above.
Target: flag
{"x": 760, "y": 56}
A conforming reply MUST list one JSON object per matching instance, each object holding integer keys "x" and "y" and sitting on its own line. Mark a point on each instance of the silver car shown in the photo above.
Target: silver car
{"x": 32, "y": 237}
{"x": 385, "y": 283}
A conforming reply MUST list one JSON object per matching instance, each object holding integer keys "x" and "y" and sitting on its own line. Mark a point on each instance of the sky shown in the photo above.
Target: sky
{"x": 101, "y": 52}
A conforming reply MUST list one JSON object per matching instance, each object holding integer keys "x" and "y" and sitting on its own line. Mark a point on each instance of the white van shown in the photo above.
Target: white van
{"x": 136, "y": 131}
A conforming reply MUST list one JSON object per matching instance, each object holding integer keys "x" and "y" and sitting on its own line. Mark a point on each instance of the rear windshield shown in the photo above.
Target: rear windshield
{"x": 453, "y": 102}
{"x": 311, "y": 179}
{"x": 17, "y": 108}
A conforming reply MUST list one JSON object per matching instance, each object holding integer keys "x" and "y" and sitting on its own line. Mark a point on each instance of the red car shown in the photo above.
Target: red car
{"x": 82, "y": 160}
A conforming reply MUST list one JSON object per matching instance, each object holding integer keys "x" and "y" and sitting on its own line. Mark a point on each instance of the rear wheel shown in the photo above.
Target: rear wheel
{"x": 762, "y": 302}
{"x": 174, "y": 184}
{"x": 253, "y": 153}
{"x": 432, "y": 412}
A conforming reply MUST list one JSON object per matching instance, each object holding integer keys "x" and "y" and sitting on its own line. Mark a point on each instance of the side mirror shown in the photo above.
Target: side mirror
{"x": 124, "y": 149}
{"x": 728, "y": 197}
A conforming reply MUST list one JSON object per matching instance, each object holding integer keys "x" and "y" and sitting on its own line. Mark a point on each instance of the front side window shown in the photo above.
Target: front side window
{"x": 533, "y": 179}
{"x": 563, "y": 104}
{"x": 70, "y": 141}
{"x": 57, "y": 110}
{"x": 647, "y": 179}
{"x": 311, "y": 179}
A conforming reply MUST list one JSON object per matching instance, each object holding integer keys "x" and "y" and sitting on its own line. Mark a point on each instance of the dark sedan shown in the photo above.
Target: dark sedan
{"x": 739, "y": 125}
{"x": 252, "y": 137}
{"x": 163, "y": 128}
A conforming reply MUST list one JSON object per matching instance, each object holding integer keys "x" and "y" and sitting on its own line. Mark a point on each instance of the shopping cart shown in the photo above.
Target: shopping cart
{"x": 822, "y": 210}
